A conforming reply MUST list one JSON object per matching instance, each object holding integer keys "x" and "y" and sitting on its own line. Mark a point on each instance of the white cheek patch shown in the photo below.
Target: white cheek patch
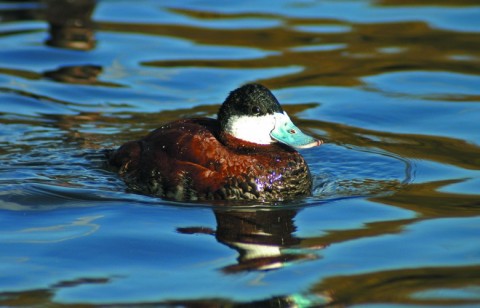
{"x": 254, "y": 129}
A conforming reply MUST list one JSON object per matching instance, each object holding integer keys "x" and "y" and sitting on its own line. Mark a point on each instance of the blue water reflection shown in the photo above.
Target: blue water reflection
{"x": 391, "y": 86}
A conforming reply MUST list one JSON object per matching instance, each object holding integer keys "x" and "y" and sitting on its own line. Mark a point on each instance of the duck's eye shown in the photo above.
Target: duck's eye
{"x": 255, "y": 110}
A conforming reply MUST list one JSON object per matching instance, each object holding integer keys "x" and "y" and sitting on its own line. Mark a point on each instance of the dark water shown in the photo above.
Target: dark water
{"x": 393, "y": 87}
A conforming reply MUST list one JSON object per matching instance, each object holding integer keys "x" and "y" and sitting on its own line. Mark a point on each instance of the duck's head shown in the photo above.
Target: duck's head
{"x": 253, "y": 114}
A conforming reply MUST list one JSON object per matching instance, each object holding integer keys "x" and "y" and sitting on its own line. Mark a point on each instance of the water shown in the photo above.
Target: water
{"x": 393, "y": 88}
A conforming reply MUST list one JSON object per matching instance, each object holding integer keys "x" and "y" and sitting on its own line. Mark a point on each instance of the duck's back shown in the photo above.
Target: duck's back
{"x": 192, "y": 160}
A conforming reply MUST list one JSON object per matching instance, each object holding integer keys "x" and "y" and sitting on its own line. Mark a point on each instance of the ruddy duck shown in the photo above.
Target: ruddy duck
{"x": 246, "y": 154}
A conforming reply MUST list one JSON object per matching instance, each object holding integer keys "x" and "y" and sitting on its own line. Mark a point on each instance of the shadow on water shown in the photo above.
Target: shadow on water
{"x": 52, "y": 156}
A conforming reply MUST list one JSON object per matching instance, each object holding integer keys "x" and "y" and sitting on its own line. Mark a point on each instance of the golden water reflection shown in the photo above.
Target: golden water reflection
{"x": 402, "y": 286}
{"x": 338, "y": 58}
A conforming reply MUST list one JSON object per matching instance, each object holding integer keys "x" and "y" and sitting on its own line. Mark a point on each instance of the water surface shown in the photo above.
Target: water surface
{"x": 393, "y": 88}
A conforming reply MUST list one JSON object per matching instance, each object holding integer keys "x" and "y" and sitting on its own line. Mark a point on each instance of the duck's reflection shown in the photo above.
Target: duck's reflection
{"x": 265, "y": 239}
